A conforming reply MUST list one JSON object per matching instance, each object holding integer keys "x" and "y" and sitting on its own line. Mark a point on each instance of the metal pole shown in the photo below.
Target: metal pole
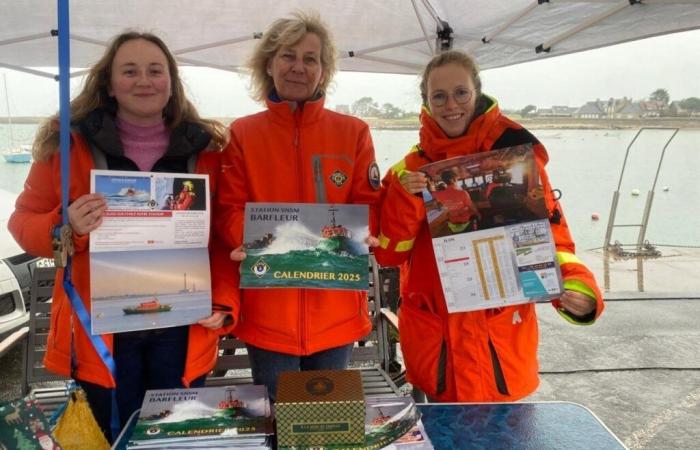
{"x": 608, "y": 236}
{"x": 645, "y": 217}
{"x": 64, "y": 100}
{"x": 611, "y": 217}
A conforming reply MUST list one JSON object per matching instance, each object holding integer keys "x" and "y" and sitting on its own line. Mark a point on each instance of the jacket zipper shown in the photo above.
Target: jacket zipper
{"x": 300, "y": 191}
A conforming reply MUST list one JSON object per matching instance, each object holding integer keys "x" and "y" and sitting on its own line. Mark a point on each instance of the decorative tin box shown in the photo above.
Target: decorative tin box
{"x": 320, "y": 407}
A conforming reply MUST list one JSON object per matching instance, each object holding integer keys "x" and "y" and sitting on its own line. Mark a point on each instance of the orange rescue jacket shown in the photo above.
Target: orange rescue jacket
{"x": 38, "y": 210}
{"x": 310, "y": 155}
{"x": 488, "y": 355}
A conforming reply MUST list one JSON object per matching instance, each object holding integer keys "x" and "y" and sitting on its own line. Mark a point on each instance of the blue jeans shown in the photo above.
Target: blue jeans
{"x": 267, "y": 365}
{"x": 149, "y": 359}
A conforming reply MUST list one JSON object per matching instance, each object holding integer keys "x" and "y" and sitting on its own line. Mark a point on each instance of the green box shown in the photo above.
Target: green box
{"x": 320, "y": 407}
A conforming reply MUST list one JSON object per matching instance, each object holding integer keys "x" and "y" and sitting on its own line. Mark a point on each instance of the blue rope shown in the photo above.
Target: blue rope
{"x": 64, "y": 116}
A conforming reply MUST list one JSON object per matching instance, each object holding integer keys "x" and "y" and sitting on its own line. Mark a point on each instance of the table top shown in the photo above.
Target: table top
{"x": 512, "y": 426}
{"x": 534, "y": 425}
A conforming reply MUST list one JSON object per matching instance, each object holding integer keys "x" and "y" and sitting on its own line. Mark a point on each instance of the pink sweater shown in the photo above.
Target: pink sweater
{"x": 143, "y": 145}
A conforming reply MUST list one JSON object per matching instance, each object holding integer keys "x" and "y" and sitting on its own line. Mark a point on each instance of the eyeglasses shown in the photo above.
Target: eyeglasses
{"x": 460, "y": 95}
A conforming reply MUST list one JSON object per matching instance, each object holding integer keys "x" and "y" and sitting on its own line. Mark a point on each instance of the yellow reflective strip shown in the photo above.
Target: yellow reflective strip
{"x": 384, "y": 241}
{"x": 566, "y": 258}
{"x": 400, "y": 167}
{"x": 457, "y": 227}
{"x": 579, "y": 286}
{"x": 493, "y": 105}
{"x": 405, "y": 246}
{"x": 569, "y": 318}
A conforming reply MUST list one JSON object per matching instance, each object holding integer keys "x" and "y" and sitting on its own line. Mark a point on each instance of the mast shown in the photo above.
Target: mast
{"x": 9, "y": 115}
{"x": 332, "y": 210}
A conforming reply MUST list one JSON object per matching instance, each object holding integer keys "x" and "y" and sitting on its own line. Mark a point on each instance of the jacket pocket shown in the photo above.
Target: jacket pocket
{"x": 424, "y": 349}
{"x": 513, "y": 341}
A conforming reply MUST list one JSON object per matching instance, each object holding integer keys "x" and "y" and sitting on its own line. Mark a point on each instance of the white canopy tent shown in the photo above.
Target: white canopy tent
{"x": 390, "y": 36}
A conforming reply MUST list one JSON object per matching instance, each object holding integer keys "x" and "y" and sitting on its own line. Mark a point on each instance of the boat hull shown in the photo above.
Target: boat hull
{"x": 129, "y": 311}
{"x": 334, "y": 244}
{"x": 17, "y": 158}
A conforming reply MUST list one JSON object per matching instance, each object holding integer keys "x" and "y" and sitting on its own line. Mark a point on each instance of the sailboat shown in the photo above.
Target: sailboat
{"x": 14, "y": 154}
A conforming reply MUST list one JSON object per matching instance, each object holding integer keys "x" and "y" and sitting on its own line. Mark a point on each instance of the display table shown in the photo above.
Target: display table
{"x": 536, "y": 426}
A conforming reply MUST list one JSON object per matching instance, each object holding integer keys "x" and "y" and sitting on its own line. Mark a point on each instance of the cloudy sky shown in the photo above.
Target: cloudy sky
{"x": 633, "y": 69}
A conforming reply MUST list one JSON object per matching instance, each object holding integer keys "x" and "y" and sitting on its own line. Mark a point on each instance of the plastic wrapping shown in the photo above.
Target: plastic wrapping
{"x": 77, "y": 428}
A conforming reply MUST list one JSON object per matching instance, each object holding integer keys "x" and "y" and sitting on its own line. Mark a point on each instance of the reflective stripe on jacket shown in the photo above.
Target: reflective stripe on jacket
{"x": 310, "y": 155}
{"x": 488, "y": 355}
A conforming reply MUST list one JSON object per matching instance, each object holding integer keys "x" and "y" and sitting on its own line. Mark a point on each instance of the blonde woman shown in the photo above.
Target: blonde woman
{"x": 296, "y": 151}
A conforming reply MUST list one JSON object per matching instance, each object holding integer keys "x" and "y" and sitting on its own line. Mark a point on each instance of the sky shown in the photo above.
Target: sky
{"x": 150, "y": 271}
{"x": 634, "y": 69}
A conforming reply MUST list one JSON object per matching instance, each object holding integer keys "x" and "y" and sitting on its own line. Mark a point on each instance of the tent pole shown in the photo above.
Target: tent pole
{"x": 38, "y": 73}
{"x": 546, "y": 46}
{"x": 64, "y": 100}
{"x": 524, "y": 12}
{"x": 422, "y": 27}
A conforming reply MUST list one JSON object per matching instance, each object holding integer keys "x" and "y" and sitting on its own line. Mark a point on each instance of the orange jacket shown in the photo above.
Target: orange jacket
{"x": 458, "y": 203}
{"x": 183, "y": 201}
{"x": 488, "y": 355}
{"x": 38, "y": 210}
{"x": 311, "y": 155}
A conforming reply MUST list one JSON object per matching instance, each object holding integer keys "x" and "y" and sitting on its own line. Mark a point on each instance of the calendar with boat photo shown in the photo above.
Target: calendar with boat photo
{"x": 305, "y": 245}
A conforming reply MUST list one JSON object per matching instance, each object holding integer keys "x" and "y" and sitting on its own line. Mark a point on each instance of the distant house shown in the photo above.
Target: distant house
{"x": 630, "y": 111}
{"x": 613, "y": 105}
{"x": 652, "y": 108}
{"x": 675, "y": 109}
{"x": 591, "y": 110}
{"x": 562, "y": 111}
{"x": 555, "y": 111}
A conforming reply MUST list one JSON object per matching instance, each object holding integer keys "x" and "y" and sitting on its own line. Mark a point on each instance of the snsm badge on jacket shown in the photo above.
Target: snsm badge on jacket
{"x": 338, "y": 178}
{"x": 373, "y": 176}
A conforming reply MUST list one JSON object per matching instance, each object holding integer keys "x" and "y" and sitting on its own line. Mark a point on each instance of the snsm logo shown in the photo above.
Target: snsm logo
{"x": 260, "y": 268}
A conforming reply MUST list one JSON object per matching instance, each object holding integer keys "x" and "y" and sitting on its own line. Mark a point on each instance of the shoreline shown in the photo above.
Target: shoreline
{"x": 562, "y": 123}
{"x": 534, "y": 123}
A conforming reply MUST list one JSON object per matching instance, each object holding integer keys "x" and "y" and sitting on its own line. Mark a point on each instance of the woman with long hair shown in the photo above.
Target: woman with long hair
{"x": 132, "y": 114}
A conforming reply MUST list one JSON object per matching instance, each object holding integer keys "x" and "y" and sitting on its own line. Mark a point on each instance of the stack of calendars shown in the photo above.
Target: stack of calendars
{"x": 394, "y": 424}
{"x": 211, "y": 417}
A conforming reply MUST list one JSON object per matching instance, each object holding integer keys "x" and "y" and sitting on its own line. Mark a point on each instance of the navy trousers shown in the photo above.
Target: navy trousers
{"x": 149, "y": 359}
{"x": 267, "y": 365}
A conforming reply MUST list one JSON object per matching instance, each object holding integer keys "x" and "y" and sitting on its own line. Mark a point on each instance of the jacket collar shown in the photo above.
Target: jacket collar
{"x": 99, "y": 129}
{"x": 437, "y": 146}
{"x": 304, "y": 112}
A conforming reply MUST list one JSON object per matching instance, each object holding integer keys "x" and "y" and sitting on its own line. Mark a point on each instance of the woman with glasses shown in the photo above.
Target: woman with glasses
{"x": 487, "y": 355}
